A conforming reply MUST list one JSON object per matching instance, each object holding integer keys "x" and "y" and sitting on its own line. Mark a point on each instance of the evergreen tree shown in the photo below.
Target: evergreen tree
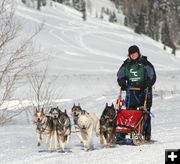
{"x": 152, "y": 17}
{"x": 166, "y": 40}
{"x": 84, "y": 10}
{"x": 38, "y": 4}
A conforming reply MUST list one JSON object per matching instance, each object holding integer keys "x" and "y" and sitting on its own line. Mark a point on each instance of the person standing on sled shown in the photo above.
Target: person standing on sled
{"x": 137, "y": 72}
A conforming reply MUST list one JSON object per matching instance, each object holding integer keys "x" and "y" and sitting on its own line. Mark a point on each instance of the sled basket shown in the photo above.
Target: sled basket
{"x": 129, "y": 120}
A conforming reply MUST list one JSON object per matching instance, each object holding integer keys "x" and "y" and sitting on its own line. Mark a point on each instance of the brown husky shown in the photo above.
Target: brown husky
{"x": 44, "y": 125}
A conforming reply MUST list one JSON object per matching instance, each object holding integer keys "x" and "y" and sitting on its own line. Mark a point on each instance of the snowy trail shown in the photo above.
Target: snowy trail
{"x": 166, "y": 130}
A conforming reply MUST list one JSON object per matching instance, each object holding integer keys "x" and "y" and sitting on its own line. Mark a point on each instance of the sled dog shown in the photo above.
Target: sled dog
{"x": 75, "y": 112}
{"x": 61, "y": 127}
{"x": 44, "y": 124}
{"x": 87, "y": 123}
{"x": 107, "y": 125}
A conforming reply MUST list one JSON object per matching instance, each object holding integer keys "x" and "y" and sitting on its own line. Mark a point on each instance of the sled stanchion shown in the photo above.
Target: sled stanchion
{"x": 120, "y": 93}
{"x": 119, "y": 100}
{"x": 145, "y": 100}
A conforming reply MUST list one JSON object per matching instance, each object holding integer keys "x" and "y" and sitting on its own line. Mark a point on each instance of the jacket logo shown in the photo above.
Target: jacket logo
{"x": 134, "y": 72}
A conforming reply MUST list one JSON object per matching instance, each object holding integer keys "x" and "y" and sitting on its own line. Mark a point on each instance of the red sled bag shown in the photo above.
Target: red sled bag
{"x": 129, "y": 120}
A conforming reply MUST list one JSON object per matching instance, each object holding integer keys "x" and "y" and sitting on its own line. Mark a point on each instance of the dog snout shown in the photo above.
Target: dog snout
{"x": 75, "y": 113}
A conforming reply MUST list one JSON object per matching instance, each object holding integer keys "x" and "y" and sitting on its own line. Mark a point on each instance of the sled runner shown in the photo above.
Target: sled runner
{"x": 130, "y": 121}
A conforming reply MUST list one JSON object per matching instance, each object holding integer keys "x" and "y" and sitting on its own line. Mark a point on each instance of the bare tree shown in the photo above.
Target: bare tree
{"x": 16, "y": 55}
{"x": 43, "y": 88}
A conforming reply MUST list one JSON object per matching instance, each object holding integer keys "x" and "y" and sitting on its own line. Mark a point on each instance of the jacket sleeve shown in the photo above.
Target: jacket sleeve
{"x": 150, "y": 75}
{"x": 121, "y": 78}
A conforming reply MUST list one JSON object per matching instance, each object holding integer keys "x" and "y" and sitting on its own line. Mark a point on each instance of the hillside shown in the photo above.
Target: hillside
{"x": 91, "y": 50}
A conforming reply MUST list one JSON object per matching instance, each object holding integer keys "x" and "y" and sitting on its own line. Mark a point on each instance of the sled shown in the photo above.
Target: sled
{"x": 130, "y": 121}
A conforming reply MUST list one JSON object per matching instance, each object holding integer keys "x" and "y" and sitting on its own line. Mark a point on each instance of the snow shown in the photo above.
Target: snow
{"x": 18, "y": 142}
{"x": 85, "y": 57}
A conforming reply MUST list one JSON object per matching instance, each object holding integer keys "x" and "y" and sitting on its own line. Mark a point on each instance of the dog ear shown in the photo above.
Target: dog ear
{"x": 42, "y": 110}
{"x": 74, "y": 105}
{"x": 50, "y": 110}
{"x": 36, "y": 111}
{"x": 112, "y": 105}
{"x": 65, "y": 111}
{"x": 80, "y": 108}
{"x": 79, "y": 104}
{"x": 106, "y": 104}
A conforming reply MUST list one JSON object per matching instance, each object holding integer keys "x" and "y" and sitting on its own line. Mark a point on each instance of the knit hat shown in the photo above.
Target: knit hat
{"x": 133, "y": 49}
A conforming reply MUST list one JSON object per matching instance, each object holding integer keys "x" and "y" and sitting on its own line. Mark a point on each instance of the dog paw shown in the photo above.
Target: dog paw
{"x": 108, "y": 145}
{"x": 86, "y": 149}
{"x": 50, "y": 150}
{"x": 38, "y": 144}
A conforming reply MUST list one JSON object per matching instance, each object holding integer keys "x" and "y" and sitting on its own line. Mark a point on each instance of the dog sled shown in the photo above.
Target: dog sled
{"x": 131, "y": 121}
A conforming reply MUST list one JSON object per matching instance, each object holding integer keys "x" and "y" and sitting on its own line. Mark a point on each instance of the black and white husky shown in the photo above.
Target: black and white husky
{"x": 61, "y": 126}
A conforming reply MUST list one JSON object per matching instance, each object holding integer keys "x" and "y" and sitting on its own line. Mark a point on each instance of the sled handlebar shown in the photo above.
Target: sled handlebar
{"x": 134, "y": 89}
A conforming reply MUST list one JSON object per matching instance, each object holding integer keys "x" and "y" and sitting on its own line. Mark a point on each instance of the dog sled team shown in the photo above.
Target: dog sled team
{"x": 129, "y": 116}
{"x": 56, "y": 126}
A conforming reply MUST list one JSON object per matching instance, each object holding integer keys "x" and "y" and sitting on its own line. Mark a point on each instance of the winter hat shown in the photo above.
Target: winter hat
{"x": 133, "y": 49}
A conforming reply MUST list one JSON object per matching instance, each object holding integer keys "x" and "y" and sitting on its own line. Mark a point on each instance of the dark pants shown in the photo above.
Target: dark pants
{"x": 147, "y": 126}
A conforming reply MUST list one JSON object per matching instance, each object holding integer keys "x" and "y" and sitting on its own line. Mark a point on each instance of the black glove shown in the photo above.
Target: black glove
{"x": 147, "y": 84}
{"x": 122, "y": 84}
{"x": 123, "y": 87}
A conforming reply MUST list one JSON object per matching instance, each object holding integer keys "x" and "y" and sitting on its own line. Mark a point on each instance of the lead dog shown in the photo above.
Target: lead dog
{"x": 44, "y": 124}
{"x": 61, "y": 126}
{"x": 87, "y": 123}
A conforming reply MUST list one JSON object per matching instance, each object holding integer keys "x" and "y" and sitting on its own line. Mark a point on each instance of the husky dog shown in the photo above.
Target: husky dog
{"x": 61, "y": 127}
{"x": 87, "y": 123}
{"x": 75, "y": 112}
{"x": 55, "y": 112}
{"x": 63, "y": 130}
{"x": 107, "y": 125}
{"x": 44, "y": 125}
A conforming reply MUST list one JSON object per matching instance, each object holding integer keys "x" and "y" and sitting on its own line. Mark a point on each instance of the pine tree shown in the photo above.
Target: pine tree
{"x": 84, "y": 10}
{"x": 166, "y": 40}
{"x": 38, "y": 4}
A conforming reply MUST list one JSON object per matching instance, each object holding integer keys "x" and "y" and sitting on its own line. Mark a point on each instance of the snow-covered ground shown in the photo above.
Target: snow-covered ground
{"x": 85, "y": 57}
{"x": 19, "y": 145}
